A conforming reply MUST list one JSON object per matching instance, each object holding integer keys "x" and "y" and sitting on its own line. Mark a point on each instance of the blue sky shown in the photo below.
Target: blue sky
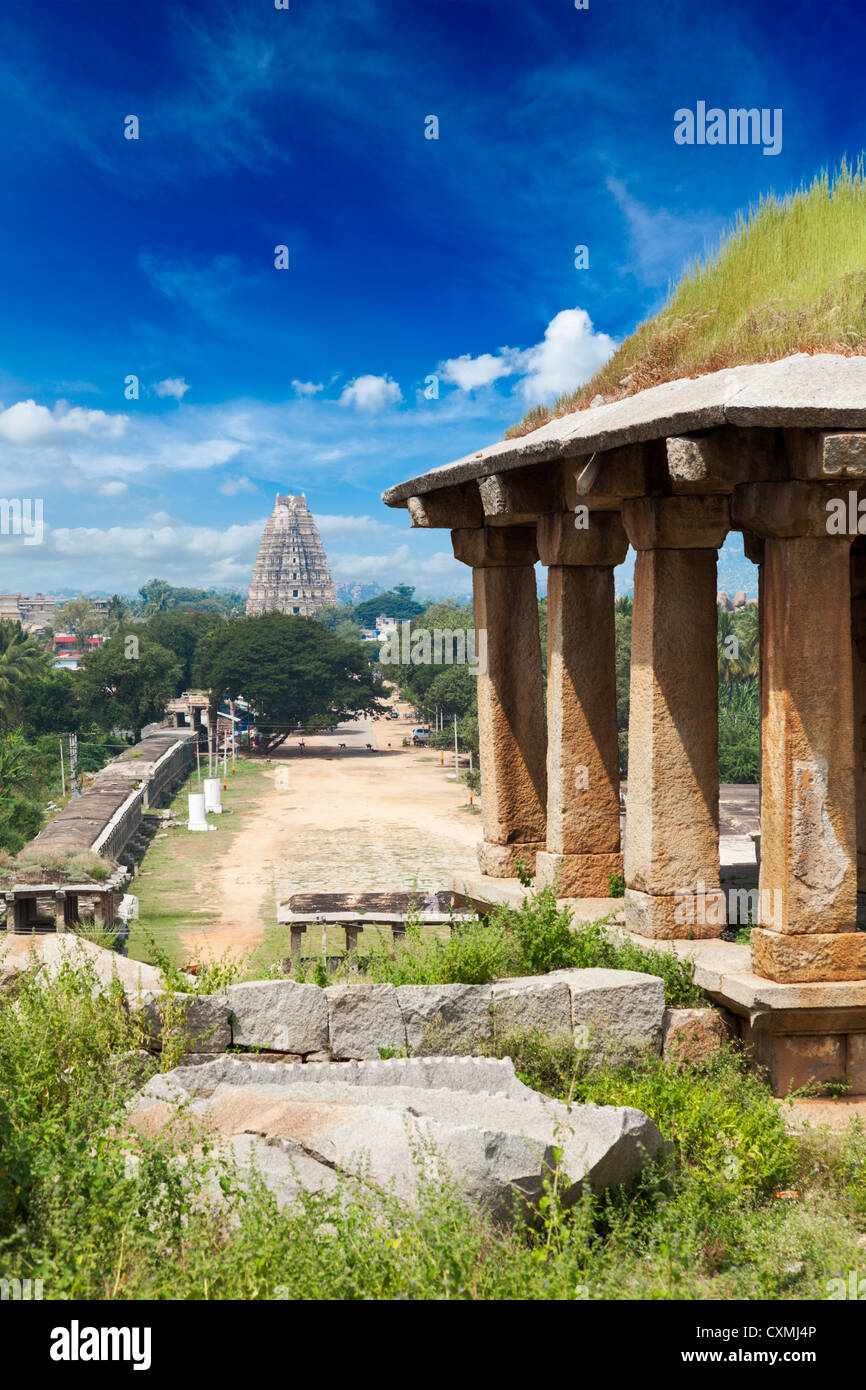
{"x": 408, "y": 256}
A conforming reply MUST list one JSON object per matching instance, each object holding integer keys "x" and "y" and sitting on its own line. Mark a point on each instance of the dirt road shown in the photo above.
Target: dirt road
{"x": 339, "y": 818}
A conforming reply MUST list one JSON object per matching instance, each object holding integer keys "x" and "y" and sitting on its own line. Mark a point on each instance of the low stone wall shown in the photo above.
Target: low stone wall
{"x": 346, "y": 1022}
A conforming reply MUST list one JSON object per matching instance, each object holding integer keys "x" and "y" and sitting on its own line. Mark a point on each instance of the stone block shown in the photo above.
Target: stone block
{"x": 656, "y": 915}
{"x": 856, "y": 1063}
{"x": 280, "y": 1015}
{"x": 625, "y": 1005}
{"x": 694, "y": 1035}
{"x": 498, "y": 861}
{"x": 795, "y": 1059}
{"x": 577, "y": 875}
{"x": 203, "y": 1020}
{"x": 363, "y": 1018}
{"x": 679, "y": 523}
{"x": 538, "y": 1003}
{"x": 796, "y": 959}
{"x": 442, "y": 1017}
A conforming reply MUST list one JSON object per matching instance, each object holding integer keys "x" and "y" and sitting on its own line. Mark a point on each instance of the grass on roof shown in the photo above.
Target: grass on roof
{"x": 790, "y": 276}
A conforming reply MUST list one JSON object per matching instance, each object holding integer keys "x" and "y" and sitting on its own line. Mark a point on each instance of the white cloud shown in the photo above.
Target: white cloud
{"x": 29, "y": 423}
{"x": 231, "y": 486}
{"x": 471, "y": 372}
{"x": 172, "y": 386}
{"x": 661, "y": 242}
{"x": 160, "y": 518}
{"x": 113, "y": 489}
{"x": 371, "y": 393}
{"x": 569, "y": 355}
{"x": 307, "y": 388}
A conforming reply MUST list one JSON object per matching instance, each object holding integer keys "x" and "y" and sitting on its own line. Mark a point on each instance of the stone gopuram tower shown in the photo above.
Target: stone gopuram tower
{"x": 291, "y": 572}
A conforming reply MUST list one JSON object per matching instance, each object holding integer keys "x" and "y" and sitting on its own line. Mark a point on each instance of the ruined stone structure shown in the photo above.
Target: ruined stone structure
{"x": 291, "y": 572}
{"x": 771, "y": 450}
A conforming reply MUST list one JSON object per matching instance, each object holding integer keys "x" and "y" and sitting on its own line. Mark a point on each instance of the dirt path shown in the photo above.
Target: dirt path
{"x": 338, "y": 819}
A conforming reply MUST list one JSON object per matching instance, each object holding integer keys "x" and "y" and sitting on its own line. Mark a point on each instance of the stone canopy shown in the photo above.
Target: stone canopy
{"x": 771, "y": 450}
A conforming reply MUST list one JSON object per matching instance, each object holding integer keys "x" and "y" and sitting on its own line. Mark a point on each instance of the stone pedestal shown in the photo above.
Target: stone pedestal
{"x": 808, "y": 816}
{"x": 858, "y": 655}
{"x": 583, "y": 837}
{"x": 672, "y": 839}
{"x": 511, "y": 729}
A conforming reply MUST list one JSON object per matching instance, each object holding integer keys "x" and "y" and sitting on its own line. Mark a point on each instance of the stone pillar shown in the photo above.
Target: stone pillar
{"x": 808, "y": 882}
{"x": 672, "y": 823}
{"x": 858, "y": 653}
{"x": 510, "y": 695}
{"x": 583, "y": 839}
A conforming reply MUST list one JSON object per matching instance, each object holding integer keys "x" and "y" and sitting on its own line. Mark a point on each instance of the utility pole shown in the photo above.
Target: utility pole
{"x": 456, "y": 757}
{"x": 74, "y": 788}
{"x": 62, "y": 772}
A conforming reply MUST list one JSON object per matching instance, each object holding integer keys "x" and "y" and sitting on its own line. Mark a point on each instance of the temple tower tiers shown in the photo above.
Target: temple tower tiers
{"x": 291, "y": 572}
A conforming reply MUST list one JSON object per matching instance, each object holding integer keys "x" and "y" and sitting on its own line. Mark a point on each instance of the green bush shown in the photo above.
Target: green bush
{"x": 532, "y": 939}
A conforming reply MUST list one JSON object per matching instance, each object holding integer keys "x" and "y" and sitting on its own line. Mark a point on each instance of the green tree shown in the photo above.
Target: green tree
{"x": 292, "y": 671}
{"x": 395, "y": 603}
{"x": 52, "y": 704}
{"x": 22, "y": 658}
{"x": 79, "y": 616}
{"x": 182, "y": 634}
{"x": 155, "y": 596}
{"x": 125, "y": 685}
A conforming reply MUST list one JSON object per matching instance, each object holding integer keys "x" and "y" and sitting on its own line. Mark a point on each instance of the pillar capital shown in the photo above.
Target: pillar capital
{"x": 676, "y": 523}
{"x": 780, "y": 511}
{"x": 602, "y": 542}
{"x": 489, "y": 547}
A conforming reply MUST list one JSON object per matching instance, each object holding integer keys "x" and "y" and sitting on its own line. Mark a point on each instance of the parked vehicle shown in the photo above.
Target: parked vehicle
{"x": 420, "y": 737}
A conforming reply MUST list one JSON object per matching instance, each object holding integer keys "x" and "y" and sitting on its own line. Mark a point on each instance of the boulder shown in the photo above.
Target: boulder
{"x": 280, "y": 1015}
{"x": 438, "y": 1017}
{"x": 693, "y": 1036}
{"x": 203, "y": 1020}
{"x": 363, "y": 1018}
{"x": 375, "y": 1121}
{"x": 50, "y": 951}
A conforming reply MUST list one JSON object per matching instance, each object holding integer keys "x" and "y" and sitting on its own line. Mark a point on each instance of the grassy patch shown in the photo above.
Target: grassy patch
{"x": 788, "y": 277}
{"x": 172, "y": 883}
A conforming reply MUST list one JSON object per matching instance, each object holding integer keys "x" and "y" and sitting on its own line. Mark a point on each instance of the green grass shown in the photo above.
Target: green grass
{"x": 98, "y": 1212}
{"x": 175, "y": 870}
{"x": 790, "y": 276}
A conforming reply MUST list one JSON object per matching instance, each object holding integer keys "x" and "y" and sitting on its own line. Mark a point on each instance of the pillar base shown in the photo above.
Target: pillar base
{"x": 498, "y": 861}
{"x": 577, "y": 875}
{"x": 660, "y": 915}
{"x": 796, "y": 959}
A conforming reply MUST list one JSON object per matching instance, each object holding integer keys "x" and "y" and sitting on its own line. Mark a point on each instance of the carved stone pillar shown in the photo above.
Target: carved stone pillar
{"x": 808, "y": 819}
{"x": 510, "y": 696}
{"x": 583, "y": 838}
{"x": 672, "y": 826}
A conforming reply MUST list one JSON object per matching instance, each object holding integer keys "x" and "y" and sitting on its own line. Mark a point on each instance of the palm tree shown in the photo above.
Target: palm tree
{"x": 22, "y": 657}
